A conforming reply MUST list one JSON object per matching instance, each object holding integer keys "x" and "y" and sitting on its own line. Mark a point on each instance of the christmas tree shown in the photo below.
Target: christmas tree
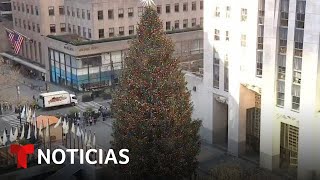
{"x": 152, "y": 108}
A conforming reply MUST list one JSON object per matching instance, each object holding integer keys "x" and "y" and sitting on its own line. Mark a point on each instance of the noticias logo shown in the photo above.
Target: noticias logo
{"x": 22, "y": 151}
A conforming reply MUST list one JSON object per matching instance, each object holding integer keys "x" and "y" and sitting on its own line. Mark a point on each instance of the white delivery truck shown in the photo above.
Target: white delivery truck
{"x": 58, "y": 98}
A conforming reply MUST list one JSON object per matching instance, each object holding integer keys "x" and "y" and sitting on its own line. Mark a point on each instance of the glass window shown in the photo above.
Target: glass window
{"x": 168, "y": 8}
{"x": 67, "y": 60}
{"x": 100, "y": 15}
{"x": 244, "y": 15}
{"x": 62, "y": 58}
{"x": 51, "y": 11}
{"x": 110, "y": 14}
{"x": 56, "y": 56}
{"x": 130, "y": 12}
{"x": 61, "y": 10}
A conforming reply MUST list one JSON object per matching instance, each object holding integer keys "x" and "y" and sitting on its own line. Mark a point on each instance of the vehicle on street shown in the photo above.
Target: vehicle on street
{"x": 57, "y": 98}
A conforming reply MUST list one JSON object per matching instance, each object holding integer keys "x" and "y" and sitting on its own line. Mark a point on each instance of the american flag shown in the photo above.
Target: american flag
{"x": 10, "y": 35}
{"x": 16, "y": 40}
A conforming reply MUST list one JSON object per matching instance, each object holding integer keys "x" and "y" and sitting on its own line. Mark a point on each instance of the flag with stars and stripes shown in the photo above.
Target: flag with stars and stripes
{"x": 16, "y": 40}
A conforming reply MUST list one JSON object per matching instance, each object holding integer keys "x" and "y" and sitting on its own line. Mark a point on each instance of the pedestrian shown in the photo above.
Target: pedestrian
{"x": 90, "y": 121}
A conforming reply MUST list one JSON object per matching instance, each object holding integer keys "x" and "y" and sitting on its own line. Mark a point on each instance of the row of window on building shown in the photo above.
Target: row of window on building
{"x": 243, "y": 15}
{"x": 29, "y": 9}
{"x": 217, "y": 37}
{"x": 27, "y": 25}
{"x": 130, "y": 11}
{"x": 297, "y": 55}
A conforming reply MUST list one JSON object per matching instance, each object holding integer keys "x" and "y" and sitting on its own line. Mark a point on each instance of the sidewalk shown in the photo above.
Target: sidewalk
{"x": 212, "y": 156}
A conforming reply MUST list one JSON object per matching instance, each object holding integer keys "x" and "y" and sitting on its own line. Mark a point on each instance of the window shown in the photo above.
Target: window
{"x": 217, "y": 14}
{"x": 194, "y": 6}
{"x": 33, "y": 27}
{"x": 185, "y": 6}
{"x": 168, "y": 9}
{"x": 29, "y": 24}
{"x": 61, "y": 10}
{"x": 131, "y": 30}
{"x": 89, "y": 33}
{"x": 260, "y": 37}
{"x": 111, "y": 32}
{"x": 24, "y": 24}
{"x": 84, "y": 32}
{"x": 18, "y": 4}
{"x": 20, "y": 23}
{"x": 193, "y": 22}
{"x": 88, "y": 15}
{"x": 297, "y": 67}
{"x": 63, "y": 27}
{"x": 27, "y": 7}
{"x": 110, "y": 14}
{"x": 300, "y": 14}
{"x": 201, "y": 21}
{"x": 31, "y": 8}
{"x": 216, "y": 34}
{"x": 283, "y": 33}
{"x": 83, "y": 14}
{"x": 52, "y": 28}
{"x": 244, "y": 15}
{"x": 78, "y": 13}
{"x": 176, "y": 24}
{"x": 101, "y": 33}
{"x": 176, "y": 7}
{"x": 100, "y": 15}
{"x": 22, "y": 7}
{"x": 15, "y": 22}
{"x": 140, "y": 11}
{"x": 284, "y": 12}
{"x": 121, "y": 31}
{"x": 296, "y": 97}
{"x": 69, "y": 28}
{"x": 130, "y": 12}
{"x": 14, "y": 6}
{"x": 185, "y": 23}
{"x": 72, "y": 12}
{"x": 243, "y": 40}
{"x": 227, "y": 36}
{"x": 261, "y": 12}
{"x": 79, "y": 30}
{"x": 201, "y": 5}
{"x": 74, "y": 31}
{"x": 120, "y": 13}
{"x": 228, "y": 9}
{"x": 281, "y": 67}
{"x": 280, "y": 93}
{"x": 51, "y": 11}
{"x": 226, "y": 73}
{"x": 298, "y": 42}
{"x": 259, "y": 63}
{"x": 159, "y": 9}
{"x": 168, "y": 25}
{"x": 216, "y": 74}
{"x": 38, "y": 28}
{"x": 37, "y": 10}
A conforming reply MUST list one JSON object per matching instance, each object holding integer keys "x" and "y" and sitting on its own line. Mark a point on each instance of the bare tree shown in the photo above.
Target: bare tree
{"x": 9, "y": 79}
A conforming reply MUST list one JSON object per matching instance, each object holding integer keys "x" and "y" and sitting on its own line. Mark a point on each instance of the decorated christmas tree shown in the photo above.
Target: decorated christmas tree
{"x": 152, "y": 107}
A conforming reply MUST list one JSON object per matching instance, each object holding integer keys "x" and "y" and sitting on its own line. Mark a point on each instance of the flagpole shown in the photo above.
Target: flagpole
{"x": 43, "y": 136}
{"x": 49, "y": 135}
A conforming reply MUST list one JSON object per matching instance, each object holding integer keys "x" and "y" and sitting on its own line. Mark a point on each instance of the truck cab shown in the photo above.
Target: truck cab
{"x": 73, "y": 99}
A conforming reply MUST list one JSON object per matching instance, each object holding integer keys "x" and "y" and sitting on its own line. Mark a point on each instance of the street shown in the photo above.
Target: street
{"x": 10, "y": 119}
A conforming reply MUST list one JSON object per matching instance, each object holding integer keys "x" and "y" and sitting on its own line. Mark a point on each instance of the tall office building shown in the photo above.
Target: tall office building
{"x": 261, "y": 81}
{"x": 77, "y": 43}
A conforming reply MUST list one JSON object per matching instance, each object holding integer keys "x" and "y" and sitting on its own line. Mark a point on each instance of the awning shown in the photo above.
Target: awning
{"x": 24, "y": 62}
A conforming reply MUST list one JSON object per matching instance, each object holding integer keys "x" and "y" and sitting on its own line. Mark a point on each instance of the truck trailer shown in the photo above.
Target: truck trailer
{"x": 57, "y": 98}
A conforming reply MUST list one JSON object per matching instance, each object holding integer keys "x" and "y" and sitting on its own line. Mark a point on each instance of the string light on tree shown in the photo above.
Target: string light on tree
{"x": 147, "y": 3}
